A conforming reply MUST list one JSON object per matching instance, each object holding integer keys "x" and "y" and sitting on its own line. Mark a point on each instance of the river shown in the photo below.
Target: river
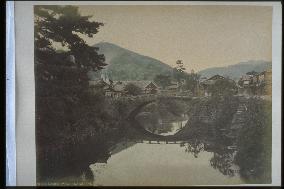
{"x": 202, "y": 159}
{"x": 145, "y": 164}
{"x": 153, "y": 164}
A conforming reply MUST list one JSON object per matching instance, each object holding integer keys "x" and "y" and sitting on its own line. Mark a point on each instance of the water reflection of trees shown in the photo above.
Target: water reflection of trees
{"x": 246, "y": 149}
{"x": 224, "y": 163}
{"x": 222, "y": 160}
{"x": 194, "y": 147}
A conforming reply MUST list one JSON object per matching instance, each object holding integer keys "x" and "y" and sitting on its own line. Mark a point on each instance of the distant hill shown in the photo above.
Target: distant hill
{"x": 237, "y": 70}
{"x": 124, "y": 64}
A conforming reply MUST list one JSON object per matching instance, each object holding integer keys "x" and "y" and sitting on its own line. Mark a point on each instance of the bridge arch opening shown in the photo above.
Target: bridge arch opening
{"x": 146, "y": 106}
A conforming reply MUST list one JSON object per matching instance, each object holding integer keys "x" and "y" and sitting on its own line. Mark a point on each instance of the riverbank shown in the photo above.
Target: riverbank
{"x": 255, "y": 143}
{"x": 71, "y": 136}
{"x": 244, "y": 141}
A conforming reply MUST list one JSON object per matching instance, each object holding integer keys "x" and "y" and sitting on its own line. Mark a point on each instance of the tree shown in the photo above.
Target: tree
{"x": 63, "y": 24}
{"x": 192, "y": 82}
{"x": 162, "y": 80}
{"x": 223, "y": 87}
{"x": 254, "y": 142}
{"x": 253, "y": 84}
{"x": 132, "y": 89}
{"x": 61, "y": 76}
{"x": 252, "y": 73}
{"x": 180, "y": 67}
{"x": 179, "y": 71}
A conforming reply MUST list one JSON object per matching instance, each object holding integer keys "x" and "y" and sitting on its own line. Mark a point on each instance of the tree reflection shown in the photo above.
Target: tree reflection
{"x": 224, "y": 163}
{"x": 194, "y": 147}
{"x": 223, "y": 156}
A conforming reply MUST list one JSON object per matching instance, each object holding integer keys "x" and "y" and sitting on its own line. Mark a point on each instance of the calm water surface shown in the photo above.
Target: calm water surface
{"x": 159, "y": 164}
{"x": 175, "y": 126}
{"x": 144, "y": 164}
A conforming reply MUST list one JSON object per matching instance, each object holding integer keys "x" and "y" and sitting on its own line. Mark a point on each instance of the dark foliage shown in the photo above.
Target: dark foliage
{"x": 223, "y": 87}
{"x": 192, "y": 82}
{"x": 254, "y": 143}
{"x": 63, "y": 24}
{"x": 251, "y": 144}
{"x": 71, "y": 122}
{"x": 132, "y": 89}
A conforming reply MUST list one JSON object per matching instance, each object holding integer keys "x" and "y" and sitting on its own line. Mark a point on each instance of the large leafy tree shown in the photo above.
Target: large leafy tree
{"x": 179, "y": 71}
{"x": 56, "y": 75}
{"x": 64, "y": 24}
{"x": 223, "y": 87}
{"x": 63, "y": 104}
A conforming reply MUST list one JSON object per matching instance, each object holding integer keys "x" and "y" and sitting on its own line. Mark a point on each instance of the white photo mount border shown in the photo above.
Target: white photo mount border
{"x": 24, "y": 108}
{"x": 10, "y": 96}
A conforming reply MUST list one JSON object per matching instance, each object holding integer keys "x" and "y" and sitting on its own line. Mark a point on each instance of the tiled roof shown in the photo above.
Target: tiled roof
{"x": 216, "y": 77}
{"x": 120, "y": 85}
{"x": 172, "y": 87}
{"x": 213, "y": 80}
{"x": 246, "y": 77}
{"x": 97, "y": 82}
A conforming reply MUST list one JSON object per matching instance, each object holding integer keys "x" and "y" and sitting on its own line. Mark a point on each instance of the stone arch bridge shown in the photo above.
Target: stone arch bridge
{"x": 142, "y": 134}
{"x": 142, "y": 101}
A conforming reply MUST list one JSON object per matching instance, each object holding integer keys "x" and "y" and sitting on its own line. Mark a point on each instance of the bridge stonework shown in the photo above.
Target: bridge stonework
{"x": 203, "y": 114}
{"x": 143, "y": 101}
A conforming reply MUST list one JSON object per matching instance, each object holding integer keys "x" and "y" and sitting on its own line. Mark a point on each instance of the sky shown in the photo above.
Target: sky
{"x": 201, "y": 36}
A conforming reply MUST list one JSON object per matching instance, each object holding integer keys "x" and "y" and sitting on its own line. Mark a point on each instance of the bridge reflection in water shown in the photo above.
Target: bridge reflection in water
{"x": 158, "y": 142}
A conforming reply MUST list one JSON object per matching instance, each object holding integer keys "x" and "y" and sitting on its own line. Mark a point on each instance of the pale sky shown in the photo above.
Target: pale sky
{"x": 201, "y": 36}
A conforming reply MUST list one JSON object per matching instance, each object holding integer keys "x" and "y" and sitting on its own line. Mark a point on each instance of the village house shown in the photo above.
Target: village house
{"x": 246, "y": 80}
{"x": 202, "y": 79}
{"x": 147, "y": 87}
{"x": 205, "y": 84}
{"x": 256, "y": 83}
{"x": 245, "y": 83}
{"x": 99, "y": 84}
{"x": 176, "y": 89}
{"x": 103, "y": 84}
{"x": 117, "y": 89}
{"x": 265, "y": 80}
{"x": 171, "y": 89}
{"x": 108, "y": 89}
{"x": 150, "y": 87}
{"x": 111, "y": 92}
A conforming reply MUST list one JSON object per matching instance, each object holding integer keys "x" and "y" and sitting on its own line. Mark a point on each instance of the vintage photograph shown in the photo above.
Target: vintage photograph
{"x": 153, "y": 95}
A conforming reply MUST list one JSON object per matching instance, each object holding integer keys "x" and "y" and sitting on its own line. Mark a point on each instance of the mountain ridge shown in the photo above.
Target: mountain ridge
{"x": 235, "y": 71}
{"x": 124, "y": 64}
